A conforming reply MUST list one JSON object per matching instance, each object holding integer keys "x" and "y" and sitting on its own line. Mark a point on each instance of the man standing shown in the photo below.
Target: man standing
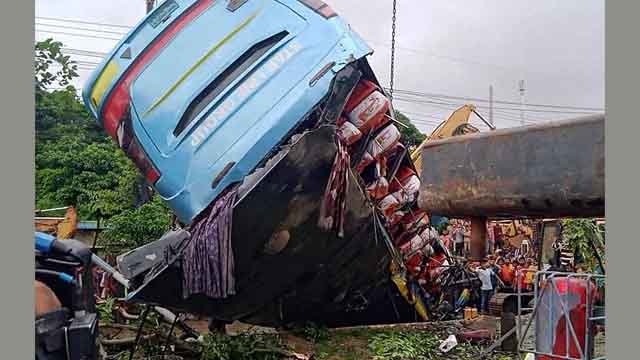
{"x": 521, "y": 267}
{"x": 466, "y": 227}
{"x": 446, "y": 237}
{"x": 495, "y": 279}
{"x": 486, "y": 290}
{"x": 507, "y": 273}
{"x": 530, "y": 275}
{"x": 499, "y": 240}
{"x": 458, "y": 240}
{"x": 491, "y": 240}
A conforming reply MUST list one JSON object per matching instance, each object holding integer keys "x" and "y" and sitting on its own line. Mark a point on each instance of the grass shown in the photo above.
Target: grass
{"x": 258, "y": 347}
{"x": 350, "y": 345}
{"x": 105, "y": 311}
{"x": 323, "y": 344}
{"x": 394, "y": 345}
{"x": 311, "y": 332}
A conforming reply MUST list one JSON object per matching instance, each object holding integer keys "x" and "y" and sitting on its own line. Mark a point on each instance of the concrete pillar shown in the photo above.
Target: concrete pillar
{"x": 478, "y": 238}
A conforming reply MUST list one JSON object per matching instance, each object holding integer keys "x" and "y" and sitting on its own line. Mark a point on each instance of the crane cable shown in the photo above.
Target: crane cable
{"x": 393, "y": 49}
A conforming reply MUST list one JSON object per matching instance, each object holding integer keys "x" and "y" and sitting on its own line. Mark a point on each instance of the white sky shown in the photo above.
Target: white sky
{"x": 450, "y": 47}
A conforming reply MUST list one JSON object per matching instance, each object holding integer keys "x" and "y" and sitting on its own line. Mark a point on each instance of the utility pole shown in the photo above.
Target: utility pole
{"x": 150, "y": 4}
{"x": 522, "y": 102}
{"x": 491, "y": 105}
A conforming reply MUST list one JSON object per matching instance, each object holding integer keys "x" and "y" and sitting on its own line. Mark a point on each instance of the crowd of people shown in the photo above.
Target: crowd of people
{"x": 456, "y": 236}
{"x": 503, "y": 274}
{"x": 507, "y": 268}
{"x": 510, "y": 265}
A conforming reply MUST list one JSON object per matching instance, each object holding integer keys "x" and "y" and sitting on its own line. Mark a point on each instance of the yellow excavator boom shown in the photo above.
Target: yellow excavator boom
{"x": 452, "y": 126}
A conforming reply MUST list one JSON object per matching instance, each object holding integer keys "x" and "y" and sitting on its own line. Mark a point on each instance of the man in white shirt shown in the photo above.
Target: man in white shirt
{"x": 486, "y": 290}
{"x": 458, "y": 240}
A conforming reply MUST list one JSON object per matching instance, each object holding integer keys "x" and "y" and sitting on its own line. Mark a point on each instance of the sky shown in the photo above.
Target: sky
{"x": 447, "y": 51}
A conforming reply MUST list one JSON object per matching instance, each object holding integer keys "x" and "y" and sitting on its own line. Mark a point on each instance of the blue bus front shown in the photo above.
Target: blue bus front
{"x": 201, "y": 91}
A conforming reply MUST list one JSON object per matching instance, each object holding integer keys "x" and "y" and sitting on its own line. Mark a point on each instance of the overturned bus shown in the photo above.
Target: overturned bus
{"x": 263, "y": 127}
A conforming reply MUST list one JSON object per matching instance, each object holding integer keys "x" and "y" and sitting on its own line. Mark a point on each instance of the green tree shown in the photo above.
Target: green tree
{"x": 60, "y": 114}
{"x": 78, "y": 165}
{"x": 135, "y": 227}
{"x": 94, "y": 177}
{"x": 579, "y": 233}
{"x": 411, "y": 136}
{"x": 52, "y": 66}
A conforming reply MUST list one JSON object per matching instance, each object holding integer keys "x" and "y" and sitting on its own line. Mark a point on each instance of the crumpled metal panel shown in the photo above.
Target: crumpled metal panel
{"x": 555, "y": 169}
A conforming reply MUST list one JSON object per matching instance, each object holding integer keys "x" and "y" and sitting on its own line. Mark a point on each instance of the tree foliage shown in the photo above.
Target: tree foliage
{"x": 134, "y": 227}
{"x": 78, "y": 165}
{"x": 52, "y": 66}
{"x": 578, "y": 233}
{"x": 411, "y": 136}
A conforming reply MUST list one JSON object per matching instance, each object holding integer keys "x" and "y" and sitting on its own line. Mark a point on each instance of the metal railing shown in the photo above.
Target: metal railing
{"x": 520, "y": 294}
{"x": 563, "y": 300}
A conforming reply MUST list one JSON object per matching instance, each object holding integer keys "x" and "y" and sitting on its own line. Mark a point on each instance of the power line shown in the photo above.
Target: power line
{"x": 431, "y": 120}
{"x": 406, "y": 92}
{"x": 511, "y": 115}
{"x": 81, "y": 28}
{"x": 129, "y": 27}
{"x": 425, "y": 122}
{"x": 87, "y": 63}
{"x": 500, "y": 114}
{"x": 62, "y": 88}
{"x": 420, "y": 51}
{"x": 514, "y": 118}
{"x": 541, "y": 110}
{"x": 88, "y": 53}
{"x": 84, "y": 67}
{"x": 423, "y": 94}
{"x": 444, "y": 106}
{"x": 84, "y": 22}
{"x": 410, "y": 113}
{"x": 476, "y": 63}
{"x": 445, "y": 57}
{"x": 450, "y": 107}
{"x": 439, "y": 104}
{"x": 504, "y": 118}
{"x": 418, "y": 101}
{"x": 79, "y": 35}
